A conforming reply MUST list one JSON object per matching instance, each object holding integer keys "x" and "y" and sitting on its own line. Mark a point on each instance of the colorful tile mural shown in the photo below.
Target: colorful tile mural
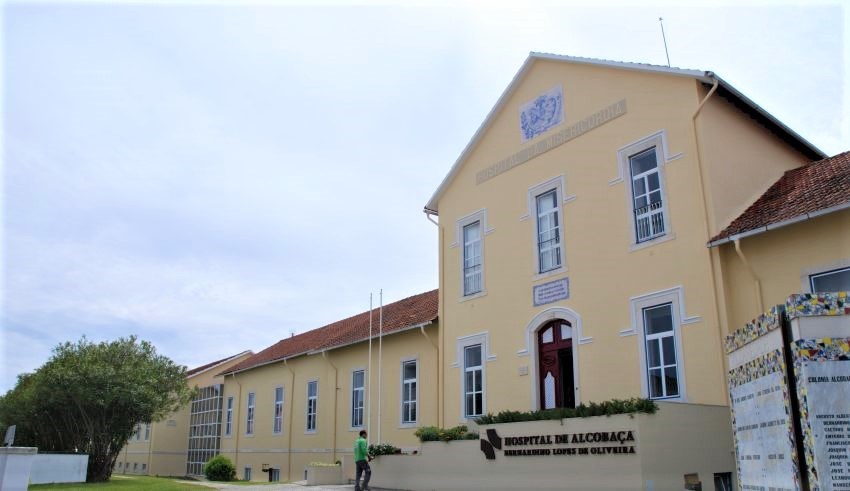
{"x": 814, "y": 351}
{"x": 755, "y": 329}
{"x": 811, "y": 304}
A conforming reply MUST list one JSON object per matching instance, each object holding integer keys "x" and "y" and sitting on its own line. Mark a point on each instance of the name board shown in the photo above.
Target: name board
{"x": 616, "y": 442}
{"x": 827, "y": 388}
{"x": 555, "y": 140}
{"x": 551, "y": 292}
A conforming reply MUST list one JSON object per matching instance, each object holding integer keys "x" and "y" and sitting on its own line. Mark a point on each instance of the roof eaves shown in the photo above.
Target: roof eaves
{"x": 760, "y": 110}
{"x": 220, "y": 363}
{"x": 700, "y": 75}
{"x": 776, "y": 225}
{"x": 262, "y": 364}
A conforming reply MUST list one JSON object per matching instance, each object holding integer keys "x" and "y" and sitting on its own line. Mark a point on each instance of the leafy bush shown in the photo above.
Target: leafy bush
{"x": 435, "y": 434}
{"x": 220, "y": 468}
{"x": 606, "y": 408}
{"x": 383, "y": 449}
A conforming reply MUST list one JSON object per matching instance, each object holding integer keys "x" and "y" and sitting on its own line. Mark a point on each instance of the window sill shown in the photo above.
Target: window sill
{"x": 550, "y": 274}
{"x": 311, "y": 432}
{"x": 473, "y": 296}
{"x": 352, "y": 429}
{"x": 407, "y": 426}
{"x": 650, "y": 243}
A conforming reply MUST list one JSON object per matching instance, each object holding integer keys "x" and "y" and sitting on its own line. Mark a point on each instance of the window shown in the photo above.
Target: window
{"x": 648, "y": 205}
{"x": 274, "y": 475}
{"x": 312, "y": 402}
{"x": 661, "y": 367}
{"x": 147, "y": 432}
{"x": 473, "y": 386}
{"x": 278, "y": 410}
{"x": 246, "y": 474}
{"x": 205, "y": 418}
{"x": 144, "y": 467}
{"x": 228, "y": 419}
{"x": 358, "y": 381}
{"x": 837, "y": 280}
{"x": 138, "y": 432}
{"x": 249, "y": 419}
{"x": 548, "y": 232}
{"x": 135, "y": 466}
{"x": 472, "y": 258}
{"x": 409, "y": 392}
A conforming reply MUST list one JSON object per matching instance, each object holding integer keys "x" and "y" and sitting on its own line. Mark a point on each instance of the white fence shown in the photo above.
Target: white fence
{"x": 50, "y": 468}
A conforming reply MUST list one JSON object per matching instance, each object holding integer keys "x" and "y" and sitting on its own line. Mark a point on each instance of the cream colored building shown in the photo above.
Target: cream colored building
{"x": 181, "y": 443}
{"x": 588, "y": 251}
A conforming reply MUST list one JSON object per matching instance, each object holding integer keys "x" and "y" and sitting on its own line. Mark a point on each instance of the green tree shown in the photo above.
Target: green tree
{"x": 89, "y": 397}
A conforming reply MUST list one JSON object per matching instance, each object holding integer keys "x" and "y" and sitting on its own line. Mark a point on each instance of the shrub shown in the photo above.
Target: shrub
{"x": 435, "y": 434}
{"x": 383, "y": 449}
{"x": 220, "y": 468}
{"x": 606, "y": 408}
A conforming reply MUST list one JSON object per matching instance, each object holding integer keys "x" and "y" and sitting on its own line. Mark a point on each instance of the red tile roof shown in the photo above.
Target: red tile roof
{"x": 202, "y": 368}
{"x": 412, "y": 311}
{"x": 799, "y": 192}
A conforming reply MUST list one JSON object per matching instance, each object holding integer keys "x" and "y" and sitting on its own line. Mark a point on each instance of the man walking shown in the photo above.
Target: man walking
{"x": 361, "y": 459}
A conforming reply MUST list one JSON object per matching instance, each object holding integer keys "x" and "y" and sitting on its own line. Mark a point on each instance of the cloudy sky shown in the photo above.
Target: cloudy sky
{"x": 214, "y": 177}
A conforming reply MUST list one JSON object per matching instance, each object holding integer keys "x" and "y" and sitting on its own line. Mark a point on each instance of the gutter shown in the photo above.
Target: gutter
{"x": 776, "y": 225}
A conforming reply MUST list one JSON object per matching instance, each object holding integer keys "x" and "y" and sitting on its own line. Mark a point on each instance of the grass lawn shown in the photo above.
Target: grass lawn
{"x": 128, "y": 483}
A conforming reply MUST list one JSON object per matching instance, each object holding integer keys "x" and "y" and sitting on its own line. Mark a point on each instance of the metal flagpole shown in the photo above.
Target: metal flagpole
{"x": 380, "y": 359}
{"x": 369, "y": 369}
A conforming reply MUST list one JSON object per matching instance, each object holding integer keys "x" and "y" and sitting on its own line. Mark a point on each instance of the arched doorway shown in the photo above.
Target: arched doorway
{"x": 555, "y": 365}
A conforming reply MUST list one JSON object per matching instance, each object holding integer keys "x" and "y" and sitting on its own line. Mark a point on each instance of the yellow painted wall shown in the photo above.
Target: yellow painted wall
{"x": 782, "y": 259}
{"x": 334, "y": 437}
{"x": 745, "y": 159}
{"x": 603, "y": 269}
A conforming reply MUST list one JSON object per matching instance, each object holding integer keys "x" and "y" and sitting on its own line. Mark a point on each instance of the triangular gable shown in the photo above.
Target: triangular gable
{"x": 706, "y": 77}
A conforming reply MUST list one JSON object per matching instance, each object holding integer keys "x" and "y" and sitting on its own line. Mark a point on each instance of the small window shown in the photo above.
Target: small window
{"x": 548, "y": 232}
{"x": 277, "y": 425}
{"x": 647, "y": 195}
{"x": 473, "y": 386}
{"x": 662, "y": 369}
{"x": 358, "y": 381}
{"x": 228, "y": 417}
{"x": 249, "y": 420}
{"x": 274, "y": 475}
{"x": 472, "y": 259}
{"x": 837, "y": 280}
{"x": 246, "y": 474}
{"x": 312, "y": 404}
{"x": 144, "y": 467}
{"x": 409, "y": 391}
{"x": 147, "y": 432}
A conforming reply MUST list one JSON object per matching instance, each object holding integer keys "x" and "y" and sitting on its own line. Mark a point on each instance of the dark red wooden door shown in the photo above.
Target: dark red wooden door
{"x": 555, "y": 350}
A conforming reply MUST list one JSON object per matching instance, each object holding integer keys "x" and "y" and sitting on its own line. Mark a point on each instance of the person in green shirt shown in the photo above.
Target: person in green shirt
{"x": 361, "y": 459}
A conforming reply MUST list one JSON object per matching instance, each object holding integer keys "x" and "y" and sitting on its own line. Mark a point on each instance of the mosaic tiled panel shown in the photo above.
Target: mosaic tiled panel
{"x": 812, "y": 304}
{"x": 760, "y": 368}
{"x": 814, "y": 350}
{"x": 755, "y": 329}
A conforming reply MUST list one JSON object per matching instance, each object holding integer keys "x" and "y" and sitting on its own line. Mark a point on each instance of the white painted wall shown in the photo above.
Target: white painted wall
{"x": 50, "y": 468}
{"x": 15, "y": 464}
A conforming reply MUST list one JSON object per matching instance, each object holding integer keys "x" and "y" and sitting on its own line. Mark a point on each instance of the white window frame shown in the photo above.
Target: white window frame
{"x": 228, "y": 417}
{"x": 807, "y": 273}
{"x": 404, "y": 422}
{"x": 470, "y": 243}
{"x": 482, "y": 338}
{"x": 658, "y": 339}
{"x": 676, "y": 297}
{"x": 824, "y": 273}
{"x": 658, "y": 141}
{"x": 274, "y": 472}
{"x": 315, "y": 408}
{"x": 277, "y": 410}
{"x": 147, "y": 432}
{"x": 362, "y": 391}
{"x": 250, "y": 406}
{"x": 557, "y": 185}
{"x": 246, "y": 473}
{"x": 481, "y": 217}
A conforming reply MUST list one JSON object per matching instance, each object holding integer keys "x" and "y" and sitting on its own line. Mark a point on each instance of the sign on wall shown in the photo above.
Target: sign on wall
{"x": 551, "y": 292}
{"x": 822, "y": 368}
{"x": 544, "y": 112}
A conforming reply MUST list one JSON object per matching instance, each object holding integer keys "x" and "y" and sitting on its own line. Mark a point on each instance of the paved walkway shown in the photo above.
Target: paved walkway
{"x": 298, "y": 485}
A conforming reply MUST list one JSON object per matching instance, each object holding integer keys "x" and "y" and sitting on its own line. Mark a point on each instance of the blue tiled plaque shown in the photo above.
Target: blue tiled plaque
{"x": 544, "y": 112}
{"x": 551, "y": 292}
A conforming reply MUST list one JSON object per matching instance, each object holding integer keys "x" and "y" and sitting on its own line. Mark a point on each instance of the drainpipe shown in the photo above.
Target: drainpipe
{"x": 289, "y": 432}
{"x": 752, "y": 273}
{"x": 336, "y": 400}
{"x": 713, "y": 256}
{"x": 422, "y": 329}
{"x": 236, "y": 421}
{"x": 440, "y": 317}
